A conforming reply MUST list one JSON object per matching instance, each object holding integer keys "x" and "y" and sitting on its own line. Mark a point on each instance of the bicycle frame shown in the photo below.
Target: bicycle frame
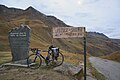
{"x": 38, "y": 53}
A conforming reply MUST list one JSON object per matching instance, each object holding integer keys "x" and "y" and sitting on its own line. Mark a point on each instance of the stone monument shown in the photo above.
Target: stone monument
{"x": 19, "y": 39}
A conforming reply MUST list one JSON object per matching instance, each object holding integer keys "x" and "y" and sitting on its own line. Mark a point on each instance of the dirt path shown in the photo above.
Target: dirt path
{"x": 110, "y": 69}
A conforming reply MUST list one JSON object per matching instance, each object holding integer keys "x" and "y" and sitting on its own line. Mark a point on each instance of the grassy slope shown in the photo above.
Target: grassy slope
{"x": 74, "y": 59}
{"x": 40, "y": 35}
{"x": 45, "y": 73}
{"x": 115, "y": 56}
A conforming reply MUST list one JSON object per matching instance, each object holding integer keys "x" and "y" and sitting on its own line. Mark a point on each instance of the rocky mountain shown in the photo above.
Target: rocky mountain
{"x": 41, "y": 35}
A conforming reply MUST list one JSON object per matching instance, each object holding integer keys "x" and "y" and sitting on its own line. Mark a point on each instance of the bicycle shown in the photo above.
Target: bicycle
{"x": 54, "y": 58}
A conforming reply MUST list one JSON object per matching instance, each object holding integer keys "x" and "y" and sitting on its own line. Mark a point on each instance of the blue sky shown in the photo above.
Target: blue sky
{"x": 96, "y": 15}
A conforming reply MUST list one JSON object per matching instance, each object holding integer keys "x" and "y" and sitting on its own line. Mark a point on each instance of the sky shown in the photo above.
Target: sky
{"x": 96, "y": 15}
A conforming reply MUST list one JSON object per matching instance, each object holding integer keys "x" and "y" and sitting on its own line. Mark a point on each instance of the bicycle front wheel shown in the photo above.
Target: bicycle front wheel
{"x": 34, "y": 61}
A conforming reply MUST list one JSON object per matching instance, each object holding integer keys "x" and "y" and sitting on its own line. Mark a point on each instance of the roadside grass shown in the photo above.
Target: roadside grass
{"x": 73, "y": 58}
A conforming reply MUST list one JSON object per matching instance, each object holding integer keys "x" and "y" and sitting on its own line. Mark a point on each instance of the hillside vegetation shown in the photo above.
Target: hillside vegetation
{"x": 115, "y": 56}
{"x": 41, "y": 35}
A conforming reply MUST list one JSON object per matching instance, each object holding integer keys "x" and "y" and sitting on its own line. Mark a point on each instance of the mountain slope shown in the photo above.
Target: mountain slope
{"x": 41, "y": 35}
{"x": 115, "y": 56}
{"x": 101, "y": 44}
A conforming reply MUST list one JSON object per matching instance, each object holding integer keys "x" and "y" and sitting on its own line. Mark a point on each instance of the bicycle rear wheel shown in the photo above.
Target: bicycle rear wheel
{"x": 56, "y": 61}
{"x": 34, "y": 61}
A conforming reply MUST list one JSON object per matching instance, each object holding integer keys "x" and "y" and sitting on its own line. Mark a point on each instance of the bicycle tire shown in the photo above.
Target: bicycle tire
{"x": 54, "y": 62}
{"x": 34, "y": 61}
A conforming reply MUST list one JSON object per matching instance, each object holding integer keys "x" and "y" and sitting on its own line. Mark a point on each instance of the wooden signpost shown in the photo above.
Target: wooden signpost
{"x": 72, "y": 32}
{"x": 68, "y": 32}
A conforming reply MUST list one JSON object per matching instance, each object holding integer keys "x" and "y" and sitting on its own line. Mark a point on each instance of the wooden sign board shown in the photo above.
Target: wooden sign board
{"x": 68, "y": 32}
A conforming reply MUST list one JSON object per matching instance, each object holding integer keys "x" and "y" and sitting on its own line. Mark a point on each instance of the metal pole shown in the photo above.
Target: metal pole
{"x": 52, "y": 37}
{"x": 85, "y": 58}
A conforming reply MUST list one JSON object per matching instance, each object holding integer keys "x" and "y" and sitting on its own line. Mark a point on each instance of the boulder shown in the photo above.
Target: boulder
{"x": 70, "y": 69}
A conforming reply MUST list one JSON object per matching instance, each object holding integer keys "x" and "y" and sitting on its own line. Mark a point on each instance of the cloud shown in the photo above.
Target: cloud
{"x": 87, "y": 1}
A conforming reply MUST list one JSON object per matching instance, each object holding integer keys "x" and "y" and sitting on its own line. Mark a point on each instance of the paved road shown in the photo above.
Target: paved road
{"x": 110, "y": 69}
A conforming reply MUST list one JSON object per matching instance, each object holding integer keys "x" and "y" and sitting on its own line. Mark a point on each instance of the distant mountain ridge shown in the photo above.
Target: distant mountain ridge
{"x": 29, "y": 13}
{"x": 41, "y": 35}
{"x": 97, "y": 34}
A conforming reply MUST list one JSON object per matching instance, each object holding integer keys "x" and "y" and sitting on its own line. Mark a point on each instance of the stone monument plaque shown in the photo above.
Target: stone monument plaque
{"x": 19, "y": 42}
